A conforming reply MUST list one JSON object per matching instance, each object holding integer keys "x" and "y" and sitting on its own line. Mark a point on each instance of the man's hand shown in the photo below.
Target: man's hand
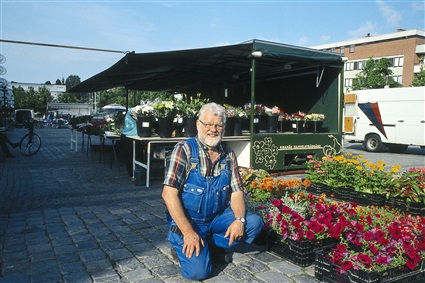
{"x": 235, "y": 231}
{"x": 192, "y": 243}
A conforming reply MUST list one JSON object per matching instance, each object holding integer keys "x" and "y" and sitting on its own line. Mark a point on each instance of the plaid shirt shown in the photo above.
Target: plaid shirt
{"x": 179, "y": 165}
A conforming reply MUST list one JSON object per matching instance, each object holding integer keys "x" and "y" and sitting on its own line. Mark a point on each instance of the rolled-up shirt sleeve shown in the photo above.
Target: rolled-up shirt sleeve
{"x": 176, "y": 167}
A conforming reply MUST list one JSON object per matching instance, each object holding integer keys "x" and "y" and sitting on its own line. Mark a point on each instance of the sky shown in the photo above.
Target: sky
{"x": 154, "y": 26}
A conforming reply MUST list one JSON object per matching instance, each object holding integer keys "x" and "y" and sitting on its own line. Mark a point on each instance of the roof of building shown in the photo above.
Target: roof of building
{"x": 373, "y": 39}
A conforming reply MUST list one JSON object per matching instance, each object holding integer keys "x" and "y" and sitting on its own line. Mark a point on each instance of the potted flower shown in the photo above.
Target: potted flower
{"x": 165, "y": 111}
{"x": 258, "y": 112}
{"x": 314, "y": 122}
{"x": 377, "y": 244}
{"x": 273, "y": 116}
{"x": 188, "y": 108}
{"x": 297, "y": 119}
{"x": 240, "y": 117}
{"x": 143, "y": 114}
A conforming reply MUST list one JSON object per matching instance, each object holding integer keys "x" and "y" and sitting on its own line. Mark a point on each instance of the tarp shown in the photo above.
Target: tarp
{"x": 206, "y": 68}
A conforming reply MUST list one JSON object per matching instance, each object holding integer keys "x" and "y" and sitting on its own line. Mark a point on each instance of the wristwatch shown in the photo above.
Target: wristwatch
{"x": 241, "y": 219}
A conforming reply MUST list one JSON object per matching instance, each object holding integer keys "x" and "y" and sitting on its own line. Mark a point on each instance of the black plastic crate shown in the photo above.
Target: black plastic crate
{"x": 325, "y": 271}
{"x": 301, "y": 253}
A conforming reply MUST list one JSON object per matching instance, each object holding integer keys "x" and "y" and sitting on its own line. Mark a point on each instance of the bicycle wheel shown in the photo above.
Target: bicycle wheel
{"x": 30, "y": 146}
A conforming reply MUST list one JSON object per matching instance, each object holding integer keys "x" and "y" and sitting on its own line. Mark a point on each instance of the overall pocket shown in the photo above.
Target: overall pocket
{"x": 192, "y": 197}
{"x": 222, "y": 199}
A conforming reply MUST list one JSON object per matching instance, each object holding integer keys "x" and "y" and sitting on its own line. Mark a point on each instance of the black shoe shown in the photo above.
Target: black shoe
{"x": 219, "y": 255}
{"x": 14, "y": 144}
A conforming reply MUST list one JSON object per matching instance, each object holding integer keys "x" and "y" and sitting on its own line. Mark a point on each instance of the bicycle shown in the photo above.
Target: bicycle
{"x": 31, "y": 142}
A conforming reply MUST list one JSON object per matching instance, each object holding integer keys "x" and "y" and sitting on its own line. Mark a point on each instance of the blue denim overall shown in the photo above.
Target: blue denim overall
{"x": 207, "y": 201}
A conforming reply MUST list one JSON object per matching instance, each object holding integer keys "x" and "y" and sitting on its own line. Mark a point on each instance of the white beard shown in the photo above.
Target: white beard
{"x": 211, "y": 140}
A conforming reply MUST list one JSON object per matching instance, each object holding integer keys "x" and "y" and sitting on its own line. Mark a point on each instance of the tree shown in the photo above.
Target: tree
{"x": 419, "y": 78}
{"x": 67, "y": 97}
{"x": 43, "y": 96}
{"x": 375, "y": 74}
{"x": 58, "y": 82}
{"x": 72, "y": 81}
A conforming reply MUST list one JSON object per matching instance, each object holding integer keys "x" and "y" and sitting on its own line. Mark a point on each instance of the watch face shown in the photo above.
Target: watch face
{"x": 242, "y": 219}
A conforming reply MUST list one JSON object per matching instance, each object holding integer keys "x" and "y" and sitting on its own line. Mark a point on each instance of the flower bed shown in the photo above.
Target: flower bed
{"x": 326, "y": 271}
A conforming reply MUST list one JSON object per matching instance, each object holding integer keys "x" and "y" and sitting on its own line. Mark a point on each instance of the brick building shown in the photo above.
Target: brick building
{"x": 404, "y": 48}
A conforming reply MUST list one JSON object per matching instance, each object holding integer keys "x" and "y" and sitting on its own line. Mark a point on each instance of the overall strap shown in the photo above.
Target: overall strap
{"x": 194, "y": 159}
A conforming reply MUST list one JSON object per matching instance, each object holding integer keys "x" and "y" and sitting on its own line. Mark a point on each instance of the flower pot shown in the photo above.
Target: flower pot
{"x": 272, "y": 123}
{"x": 238, "y": 127}
{"x": 165, "y": 127}
{"x": 298, "y": 127}
{"x": 256, "y": 124}
{"x": 144, "y": 126}
{"x": 326, "y": 271}
{"x": 301, "y": 253}
{"x": 189, "y": 126}
{"x": 313, "y": 126}
{"x": 285, "y": 126}
{"x": 230, "y": 126}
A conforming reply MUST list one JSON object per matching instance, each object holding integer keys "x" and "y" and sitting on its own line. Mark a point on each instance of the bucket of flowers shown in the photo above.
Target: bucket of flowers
{"x": 165, "y": 111}
{"x": 272, "y": 118}
{"x": 298, "y": 123}
{"x": 314, "y": 122}
{"x": 143, "y": 114}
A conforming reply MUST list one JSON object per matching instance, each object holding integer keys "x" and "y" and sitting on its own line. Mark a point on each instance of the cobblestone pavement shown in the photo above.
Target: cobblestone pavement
{"x": 67, "y": 216}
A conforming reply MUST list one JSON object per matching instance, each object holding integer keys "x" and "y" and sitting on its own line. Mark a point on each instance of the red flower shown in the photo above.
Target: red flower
{"x": 346, "y": 265}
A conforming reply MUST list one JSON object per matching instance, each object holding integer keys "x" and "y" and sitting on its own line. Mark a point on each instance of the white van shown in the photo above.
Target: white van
{"x": 23, "y": 115}
{"x": 393, "y": 117}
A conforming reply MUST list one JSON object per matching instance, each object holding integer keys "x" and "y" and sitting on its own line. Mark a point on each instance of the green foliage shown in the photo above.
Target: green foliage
{"x": 375, "y": 74}
{"x": 31, "y": 99}
{"x": 419, "y": 78}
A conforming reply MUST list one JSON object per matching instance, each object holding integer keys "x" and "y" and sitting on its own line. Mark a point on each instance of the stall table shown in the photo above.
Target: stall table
{"x": 239, "y": 144}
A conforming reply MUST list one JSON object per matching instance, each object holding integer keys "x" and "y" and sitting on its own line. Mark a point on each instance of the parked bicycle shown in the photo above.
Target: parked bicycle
{"x": 31, "y": 142}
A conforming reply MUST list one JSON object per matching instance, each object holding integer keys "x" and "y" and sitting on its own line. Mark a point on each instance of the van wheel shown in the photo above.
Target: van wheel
{"x": 397, "y": 148}
{"x": 372, "y": 143}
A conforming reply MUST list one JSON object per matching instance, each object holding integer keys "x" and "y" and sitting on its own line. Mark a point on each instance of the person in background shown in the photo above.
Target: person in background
{"x": 202, "y": 190}
{"x": 4, "y": 140}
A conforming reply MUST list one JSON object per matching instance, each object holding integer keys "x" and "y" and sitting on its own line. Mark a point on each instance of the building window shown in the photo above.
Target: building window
{"x": 348, "y": 82}
{"x": 333, "y": 49}
{"x": 342, "y": 50}
{"x": 352, "y": 48}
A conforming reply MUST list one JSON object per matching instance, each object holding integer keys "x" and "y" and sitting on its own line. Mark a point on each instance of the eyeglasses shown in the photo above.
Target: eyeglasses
{"x": 209, "y": 126}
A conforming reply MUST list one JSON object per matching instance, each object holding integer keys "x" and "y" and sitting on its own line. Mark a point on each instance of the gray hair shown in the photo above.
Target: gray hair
{"x": 215, "y": 109}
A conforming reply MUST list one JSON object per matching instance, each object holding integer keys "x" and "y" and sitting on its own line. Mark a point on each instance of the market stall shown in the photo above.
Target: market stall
{"x": 295, "y": 79}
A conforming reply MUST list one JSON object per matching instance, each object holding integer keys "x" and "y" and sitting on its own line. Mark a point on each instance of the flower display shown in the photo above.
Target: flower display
{"x": 399, "y": 242}
{"x": 258, "y": 109}
{"x": 164, "y": 108}
{"x": 274, "y": 111}
{"x": 348, "y": 170}
{"x": 314, "y": 117}
{"x": 408, "y": 185}
{"x": 188, "y": 107}
{"x": 145, "y": 109}
{"x": 298, "y": 116}
{"x": 240, "y": 113}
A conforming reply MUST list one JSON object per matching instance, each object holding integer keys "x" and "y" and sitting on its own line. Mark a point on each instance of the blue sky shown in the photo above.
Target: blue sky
{"x": 151, "y": 26}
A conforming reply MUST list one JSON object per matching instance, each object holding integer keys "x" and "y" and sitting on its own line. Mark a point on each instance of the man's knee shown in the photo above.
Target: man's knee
{"x": 197, "y": 267}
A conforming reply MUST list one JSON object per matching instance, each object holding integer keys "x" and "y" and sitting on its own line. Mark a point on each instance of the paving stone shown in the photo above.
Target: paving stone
{"x": 91, "y": 255}
{"x": 71, "y": 267}
{"x": 98, "y": 265}
{"x": 119, "y": 254}
{"x": 78, "y": 277}
{"x": 271, "y": 276}
{"x": 254, "y": 266}
{"x": 138, "y": 275}
{"x": 127, "y": 264}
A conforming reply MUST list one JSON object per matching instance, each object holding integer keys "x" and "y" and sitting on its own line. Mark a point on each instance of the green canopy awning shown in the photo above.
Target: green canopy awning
{"x": 205, "y": 68}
